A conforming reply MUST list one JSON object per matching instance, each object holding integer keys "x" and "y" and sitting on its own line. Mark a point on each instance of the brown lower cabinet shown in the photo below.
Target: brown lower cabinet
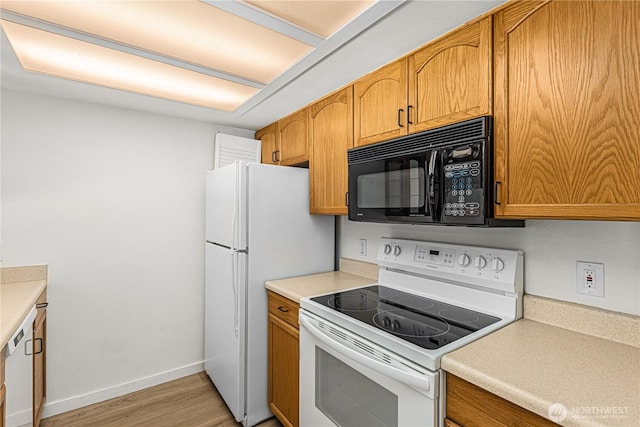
{"x": 3, "y": 391}
{"x": 471, "y": 406}
{"x": 39, "y": 364}
{"x": 39, "y": 359}
{"x": 284, "y": 339}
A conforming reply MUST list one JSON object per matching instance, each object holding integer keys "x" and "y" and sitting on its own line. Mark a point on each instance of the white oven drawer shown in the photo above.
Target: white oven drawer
{"x": 351, "y": 382}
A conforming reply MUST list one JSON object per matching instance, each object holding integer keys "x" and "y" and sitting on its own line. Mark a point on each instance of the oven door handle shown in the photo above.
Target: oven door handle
{"x": 409, "y": 376}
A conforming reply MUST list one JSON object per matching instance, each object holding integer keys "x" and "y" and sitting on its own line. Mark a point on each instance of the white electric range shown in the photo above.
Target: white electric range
{"x": 370, "y": 356}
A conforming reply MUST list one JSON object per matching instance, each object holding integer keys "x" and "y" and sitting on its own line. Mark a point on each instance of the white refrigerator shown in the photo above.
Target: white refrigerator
{"x": 258, "y": 228}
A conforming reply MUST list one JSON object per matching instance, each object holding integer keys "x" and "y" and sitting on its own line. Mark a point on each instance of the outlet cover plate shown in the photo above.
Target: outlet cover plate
{"x": 362, "y": 247}
{"x": 590, "y": 278}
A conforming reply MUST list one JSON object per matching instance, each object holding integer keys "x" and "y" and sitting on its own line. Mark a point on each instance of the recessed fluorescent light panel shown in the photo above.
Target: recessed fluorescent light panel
{"x": 320, "y": 17}
{"x": 187, "y": 30}
{"x": 52, "y": 54}
{"x": 212, "y": 53}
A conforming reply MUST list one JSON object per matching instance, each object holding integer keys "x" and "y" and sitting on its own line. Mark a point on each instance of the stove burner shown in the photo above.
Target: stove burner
{"x": 359, "y": 302}
{"x": 398, "y": 324}
{"x": 463, "y": 316}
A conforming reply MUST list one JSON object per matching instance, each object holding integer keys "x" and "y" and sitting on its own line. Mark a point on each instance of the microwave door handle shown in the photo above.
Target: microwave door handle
{"x": 431, "y": 178}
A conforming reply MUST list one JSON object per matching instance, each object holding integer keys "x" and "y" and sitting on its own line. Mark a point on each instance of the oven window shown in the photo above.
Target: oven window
{"x": 400, "y": 186}
{"x": 349, "y": 398}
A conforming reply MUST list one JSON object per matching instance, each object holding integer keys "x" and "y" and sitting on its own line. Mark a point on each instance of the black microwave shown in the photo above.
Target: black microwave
{"x": 440, "y": 176}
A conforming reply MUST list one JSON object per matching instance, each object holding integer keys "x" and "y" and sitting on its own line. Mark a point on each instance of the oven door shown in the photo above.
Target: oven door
{"x": 348, "y": 381}
{"x": 395, "y": 189}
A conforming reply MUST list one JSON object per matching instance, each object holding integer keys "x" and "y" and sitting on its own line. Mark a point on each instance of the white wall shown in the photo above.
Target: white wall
{"x": 551, "y": 249}
{"x": 113, "y": 201}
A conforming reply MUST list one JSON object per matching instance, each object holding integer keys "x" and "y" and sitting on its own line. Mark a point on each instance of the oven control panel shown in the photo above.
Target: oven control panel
{"x": 494, "y": 268}
{"x": 435, "y": 255}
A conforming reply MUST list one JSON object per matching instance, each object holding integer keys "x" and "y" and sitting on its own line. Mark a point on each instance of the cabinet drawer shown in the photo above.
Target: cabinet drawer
{"x": 471, "y": 406}
{"x": 284, "y": 308}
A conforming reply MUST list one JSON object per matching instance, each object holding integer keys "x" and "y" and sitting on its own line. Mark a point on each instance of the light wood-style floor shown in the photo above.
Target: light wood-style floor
{"x": 191, "y": 401}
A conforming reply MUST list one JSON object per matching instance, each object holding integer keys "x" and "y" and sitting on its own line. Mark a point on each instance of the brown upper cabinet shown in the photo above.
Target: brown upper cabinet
{"x": 330, "y": 136}
{"x": 567, "y": 111}
{"x": 380, "y": 102}
{"x": 293, "y": 148}
{"x": 285, "y": 142}
{"x": 269, "y": 138}
{"x": 450, "y": 80}
{"x": 447, "y": 81}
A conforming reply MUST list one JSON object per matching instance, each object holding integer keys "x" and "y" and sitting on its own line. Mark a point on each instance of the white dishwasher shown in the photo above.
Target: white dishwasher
{"x": 19, "y": 374}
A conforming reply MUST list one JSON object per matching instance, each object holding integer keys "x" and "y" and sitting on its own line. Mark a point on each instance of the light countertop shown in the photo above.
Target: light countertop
{"x": 296, "y": 288}
{"x": 16, "y": 300}
{"x": 536, "y": 365}
{"x": 20, "y": 288}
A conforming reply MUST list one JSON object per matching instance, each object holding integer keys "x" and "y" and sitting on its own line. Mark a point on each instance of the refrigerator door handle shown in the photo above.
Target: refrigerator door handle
{"x": 234, "y": 288}
{"x": 234, "y": 218}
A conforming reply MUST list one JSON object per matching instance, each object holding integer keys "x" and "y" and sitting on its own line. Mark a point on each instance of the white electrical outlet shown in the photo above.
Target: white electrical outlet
{"x": 363, "y": 247}
{"x": 590, "y": 278}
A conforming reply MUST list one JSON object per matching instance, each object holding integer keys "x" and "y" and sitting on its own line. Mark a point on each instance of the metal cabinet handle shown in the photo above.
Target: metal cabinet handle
{"x": 495, "y": 194}
{"x": 42, "y": 305}
{"x": 346, "y": 198}
{"x": 273, "y": 156}
{"x": 277, "y": 155}
{"x": 400, "y": 111}
{"x": 41, "y": 346}
{"x": 282, "y": 309}
{"x": 26, "y": 351}
{"x": 409, "y": 114}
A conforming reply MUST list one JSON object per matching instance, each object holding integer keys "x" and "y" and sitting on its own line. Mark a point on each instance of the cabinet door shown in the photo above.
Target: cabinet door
{"x": 292, "y": 139}
{"x": 283, "y": 371}
{"x": 39, "y": 359}
{"x": 567, "y": 111}
{"x": 39, "y": 366}
{"x": 450, "y": 80}
{"x": 380, "y": 103}
{"x": 269, "y": 138}
{"x": 3, "y": 393}
{"x": 330, "y": 136}
{"x": 2, "y": 388}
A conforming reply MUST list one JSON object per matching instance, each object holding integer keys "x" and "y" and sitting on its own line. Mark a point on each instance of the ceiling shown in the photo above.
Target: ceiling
{"x": 296, "y": 51}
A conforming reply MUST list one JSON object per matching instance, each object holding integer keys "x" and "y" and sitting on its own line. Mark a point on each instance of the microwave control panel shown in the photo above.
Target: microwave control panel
{"x": 463, "y": 191}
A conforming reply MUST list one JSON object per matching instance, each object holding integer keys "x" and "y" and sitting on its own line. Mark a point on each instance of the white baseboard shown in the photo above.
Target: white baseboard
{"x": 76, "y": 402}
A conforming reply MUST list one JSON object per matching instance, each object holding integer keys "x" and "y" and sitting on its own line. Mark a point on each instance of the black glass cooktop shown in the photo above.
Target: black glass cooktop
{"x": 424, "y": 322}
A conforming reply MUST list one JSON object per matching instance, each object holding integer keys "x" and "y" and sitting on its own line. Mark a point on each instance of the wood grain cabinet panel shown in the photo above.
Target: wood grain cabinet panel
{"x": 292, "y": 139}
{"x": 471, "y": 406}
{"x": 330, "y": 136}
{"x": 450, "y": 80}
{"x": 447, "y": 81}
{"x": 283, "y": 370}
{"x": 3, "y": 391}
{"x": 269, "y": 143}
{"x": 380, "y": 103}
{"x": 448, "y": 422}
{"x": 40, "y": 359}
{"x": 567, "y": 114}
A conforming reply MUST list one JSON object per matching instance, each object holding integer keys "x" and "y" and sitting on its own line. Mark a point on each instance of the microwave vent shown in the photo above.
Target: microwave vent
{"x": 458, "y": 133}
